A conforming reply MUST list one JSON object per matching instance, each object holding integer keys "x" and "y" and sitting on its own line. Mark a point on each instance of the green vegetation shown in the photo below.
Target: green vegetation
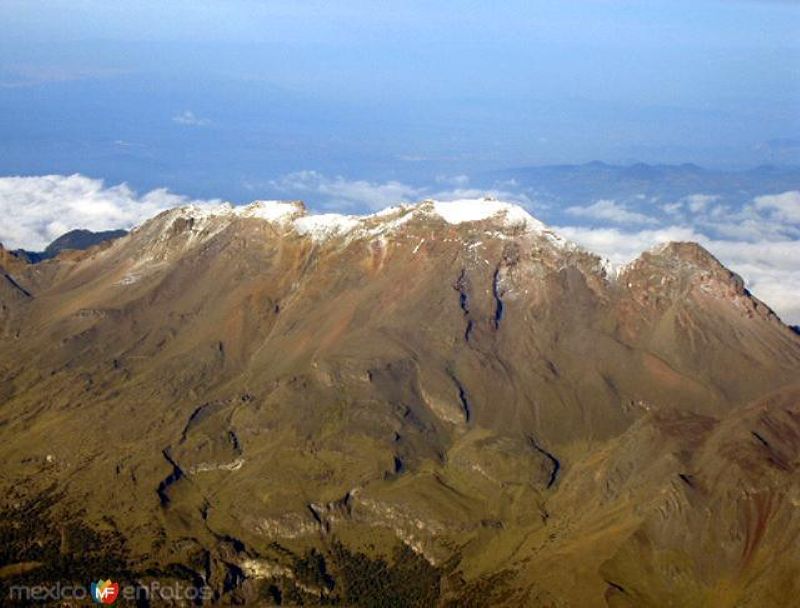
{"x": 344, "y": 577}
{"x": 42, "y": 545}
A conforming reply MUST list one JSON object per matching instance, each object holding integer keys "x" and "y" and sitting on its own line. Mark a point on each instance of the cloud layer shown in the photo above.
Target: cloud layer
{"x": 611, "y": 211}
{"x": 342, "y": 194}
{"x": 36, "y": 210}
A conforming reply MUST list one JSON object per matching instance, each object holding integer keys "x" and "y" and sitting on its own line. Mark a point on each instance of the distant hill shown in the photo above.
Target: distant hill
{"x": 74, "y": 239}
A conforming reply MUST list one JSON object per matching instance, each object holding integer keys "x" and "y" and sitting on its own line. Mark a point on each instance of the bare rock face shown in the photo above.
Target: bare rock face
{"x": 450, "y": 395}
{"x": 14, "y": 297}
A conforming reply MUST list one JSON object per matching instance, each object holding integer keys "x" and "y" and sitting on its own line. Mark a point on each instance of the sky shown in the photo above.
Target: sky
{"x": 216, "y": 98}
{"x": 110, "y": 111}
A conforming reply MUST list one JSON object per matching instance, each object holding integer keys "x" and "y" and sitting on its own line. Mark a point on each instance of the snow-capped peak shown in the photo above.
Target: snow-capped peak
{"x": 272, "y": 210}
{"x": 475, "y": 210}
{"x": 266, "y": 210}
{"x": 322, "y": 227}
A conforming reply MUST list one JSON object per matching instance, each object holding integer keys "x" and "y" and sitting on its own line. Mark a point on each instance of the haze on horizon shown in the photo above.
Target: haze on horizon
{"x": 215, "y": 99}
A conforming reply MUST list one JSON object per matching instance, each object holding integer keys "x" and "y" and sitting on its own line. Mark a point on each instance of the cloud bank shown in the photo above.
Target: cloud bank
{"x": 36, "y": 210}
{"x": 612, "y": 212}
{"x": 342, "y": 194}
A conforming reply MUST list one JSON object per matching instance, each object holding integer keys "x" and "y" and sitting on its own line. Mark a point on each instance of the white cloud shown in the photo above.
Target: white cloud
{"x": 699, "y": 202}
{"x": 190, "y": 119}
{"x": 497, "y": 193}
{"x": 36, "y": 210}
{"x": 769, "y": 217}
{"x": 781, "y": 207}
{"x": 342, "y": 193}
{"x": 622, "y": 246}
{"x": 611, "y": 211}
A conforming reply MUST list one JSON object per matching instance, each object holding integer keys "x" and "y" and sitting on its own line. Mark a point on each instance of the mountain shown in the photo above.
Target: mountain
{"x": 73, "y": 240}
{"x": 80, "y": 240}
{"x": 440, "y": 404}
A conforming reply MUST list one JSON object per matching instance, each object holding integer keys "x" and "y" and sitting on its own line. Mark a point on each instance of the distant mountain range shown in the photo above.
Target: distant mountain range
{"x": 74, "y": 239}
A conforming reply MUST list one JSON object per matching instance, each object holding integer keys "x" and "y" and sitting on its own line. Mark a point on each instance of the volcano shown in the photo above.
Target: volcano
{"x": 441, "y": 404}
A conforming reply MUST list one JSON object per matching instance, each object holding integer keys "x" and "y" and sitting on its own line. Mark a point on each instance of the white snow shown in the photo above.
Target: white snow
{"x": 611, "y": 269}
{"x": 271, "y": 211}
{"x": 326, "y": 225}
{"x": 453, "y": 212}
{"x": 386, "y": 226}
{"x": 475, "y": 210}
{"x": 265, "y": 210}
{"x": 202, "y": 212}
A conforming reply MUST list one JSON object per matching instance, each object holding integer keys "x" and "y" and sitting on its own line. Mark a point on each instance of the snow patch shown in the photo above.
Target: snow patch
{"x": 611, "y": 270}
{"x": 326, "y": 225}
{"x": 385, "y": 227}
{"x": 204, "y": 212}
{"x": 271, "y": 211}
{"x": 476, "y": 210}
{"x": 266, "y": 210}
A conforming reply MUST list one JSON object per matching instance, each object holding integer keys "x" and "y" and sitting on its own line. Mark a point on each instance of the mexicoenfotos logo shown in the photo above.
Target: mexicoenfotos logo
{"x": 105, "y": 592}
{"x": 108, "y": 592}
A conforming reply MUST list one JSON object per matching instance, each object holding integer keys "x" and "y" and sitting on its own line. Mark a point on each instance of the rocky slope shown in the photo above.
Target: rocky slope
{"x": 440, "y": 403}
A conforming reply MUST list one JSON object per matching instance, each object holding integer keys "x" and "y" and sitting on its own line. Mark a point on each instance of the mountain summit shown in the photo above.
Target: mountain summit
{"x": 443, "y": 403}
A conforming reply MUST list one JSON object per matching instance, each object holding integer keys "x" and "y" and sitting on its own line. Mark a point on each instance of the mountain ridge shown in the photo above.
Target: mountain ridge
{"x": 74, "y": 240}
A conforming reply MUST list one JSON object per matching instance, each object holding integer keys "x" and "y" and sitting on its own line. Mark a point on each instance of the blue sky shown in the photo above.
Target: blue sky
{"x": 216, "y": 99}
